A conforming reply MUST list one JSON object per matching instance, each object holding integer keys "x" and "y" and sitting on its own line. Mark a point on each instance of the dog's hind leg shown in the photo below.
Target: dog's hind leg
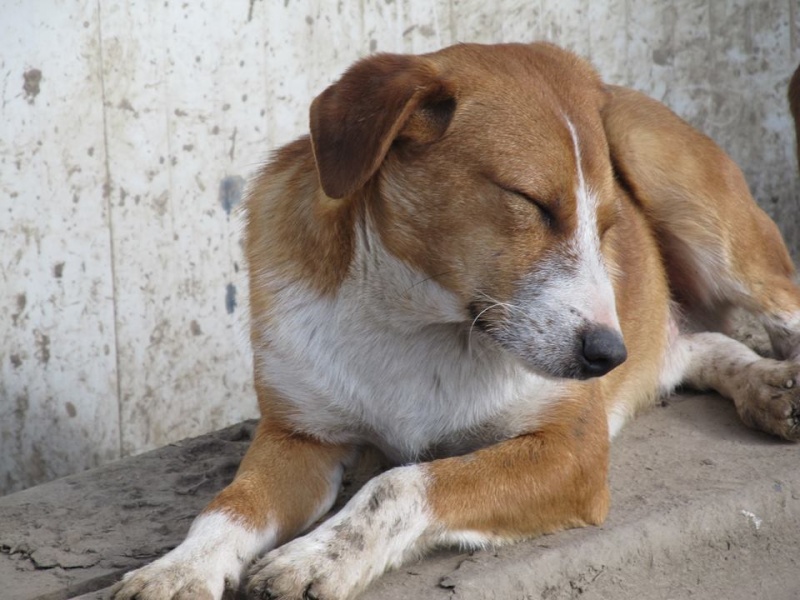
{"x": 766, "y": 392}
{"x": 720, "y": 249}
{"x": 284, "y": 484}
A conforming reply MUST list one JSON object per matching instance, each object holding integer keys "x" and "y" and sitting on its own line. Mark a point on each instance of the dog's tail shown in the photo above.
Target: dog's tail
{"x": 794, "y": 106}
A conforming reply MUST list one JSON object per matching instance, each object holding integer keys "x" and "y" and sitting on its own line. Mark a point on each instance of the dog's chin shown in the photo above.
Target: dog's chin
{"x": 560, "y": 371}
{"x": 549, "y": 363}
{"x": 546, "y": 363}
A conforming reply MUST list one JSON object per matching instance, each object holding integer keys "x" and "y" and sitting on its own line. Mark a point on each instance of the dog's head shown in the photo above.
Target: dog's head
{"x": 491, "y": 174}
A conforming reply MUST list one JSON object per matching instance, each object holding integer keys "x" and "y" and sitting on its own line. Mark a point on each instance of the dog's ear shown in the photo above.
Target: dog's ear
{"x": 380, "y": 99}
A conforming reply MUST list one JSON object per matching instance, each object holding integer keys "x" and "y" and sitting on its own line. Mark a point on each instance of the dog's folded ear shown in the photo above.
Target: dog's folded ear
{"x": 380, "y": 99}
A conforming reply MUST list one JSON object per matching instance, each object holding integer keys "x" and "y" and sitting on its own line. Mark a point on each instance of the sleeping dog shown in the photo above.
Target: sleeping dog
{"x": 483, "y": 262}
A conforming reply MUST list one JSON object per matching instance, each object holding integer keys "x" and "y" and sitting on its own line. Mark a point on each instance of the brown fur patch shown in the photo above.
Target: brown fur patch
{"x": 533, "y": 484}
{"x": 294, "y": 229}
{"x": 282, "y": 479}
{"x": 696, "y": 199}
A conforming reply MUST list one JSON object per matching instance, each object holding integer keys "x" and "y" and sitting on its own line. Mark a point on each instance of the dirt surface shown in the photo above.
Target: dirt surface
{"x": 81, "y": 532}
{"x": 701, "y": 508}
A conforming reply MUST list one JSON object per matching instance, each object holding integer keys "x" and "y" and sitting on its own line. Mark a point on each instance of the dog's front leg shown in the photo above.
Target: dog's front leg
{"x": 284, "y": 484}
{"x": 540, "y": 482}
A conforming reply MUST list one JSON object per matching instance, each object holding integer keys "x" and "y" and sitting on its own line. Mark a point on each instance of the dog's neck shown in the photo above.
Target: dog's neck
{"x": 393, "y": 294}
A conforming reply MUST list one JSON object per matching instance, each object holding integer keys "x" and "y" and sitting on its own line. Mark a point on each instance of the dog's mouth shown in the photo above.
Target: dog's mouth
{"x": 583, "y": 352}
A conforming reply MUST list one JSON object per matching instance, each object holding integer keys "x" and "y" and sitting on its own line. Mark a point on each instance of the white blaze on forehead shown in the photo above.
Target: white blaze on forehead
{"x": 592, "y": 273}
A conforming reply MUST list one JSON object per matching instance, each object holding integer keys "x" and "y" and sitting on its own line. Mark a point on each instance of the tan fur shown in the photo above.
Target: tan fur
{"x": 701, "y": 209}
{"x": 279, "y": 458}
{"x": 310, "y": 239}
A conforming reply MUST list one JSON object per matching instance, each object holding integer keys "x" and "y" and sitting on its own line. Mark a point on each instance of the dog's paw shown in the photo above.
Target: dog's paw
{"x": 380, "y": 528}
{"x": 166, "y": 580}
{"x": 210, "y": 559}
{"x": 769, "y": 400}
{"x": 318, "y": 566}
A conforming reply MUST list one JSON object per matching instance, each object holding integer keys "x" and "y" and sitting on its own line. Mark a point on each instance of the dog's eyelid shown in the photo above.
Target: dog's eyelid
{"x": 544, "y": 209}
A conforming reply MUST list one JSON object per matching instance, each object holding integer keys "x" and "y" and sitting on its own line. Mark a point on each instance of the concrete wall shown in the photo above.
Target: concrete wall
{"x": 128, "y": 129}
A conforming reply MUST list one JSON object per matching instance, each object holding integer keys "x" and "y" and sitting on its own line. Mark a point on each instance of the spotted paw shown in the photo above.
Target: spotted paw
{"x": 381, "y": 527}
{"x": 309, "y": 568}
{"x": 769, "y": 398}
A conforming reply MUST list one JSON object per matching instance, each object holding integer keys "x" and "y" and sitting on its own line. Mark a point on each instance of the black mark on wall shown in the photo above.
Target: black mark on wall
{"x": 230, "y": 298}
{"x": 195, "y": 328}
{"x": 250, "y": 11}
{"x": 231, "y": 189}
{"x": 42, "y": 347}
{"x": 22, "y": 301}
{"x": 32, "y": 77}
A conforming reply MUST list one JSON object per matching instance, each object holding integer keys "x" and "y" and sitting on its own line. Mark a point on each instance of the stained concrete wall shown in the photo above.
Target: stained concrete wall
{"x": 128, "y": 129}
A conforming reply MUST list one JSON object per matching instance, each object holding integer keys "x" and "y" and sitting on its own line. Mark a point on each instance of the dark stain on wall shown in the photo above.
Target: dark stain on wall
{"x": 230, "y": 298}
{"x": 231, "y": 189}
{"x": 195, "y": 327}
{"x": 32, "y": 77}
{"x": 22, "y": 301}
{"x": 42, "y": 347}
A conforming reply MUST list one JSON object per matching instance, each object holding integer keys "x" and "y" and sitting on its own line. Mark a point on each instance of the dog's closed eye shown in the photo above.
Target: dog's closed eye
{"x": 546, "y": 212}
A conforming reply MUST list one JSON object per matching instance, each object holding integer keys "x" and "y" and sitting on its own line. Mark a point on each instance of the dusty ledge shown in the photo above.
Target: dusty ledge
{"x": 702, "y": 508}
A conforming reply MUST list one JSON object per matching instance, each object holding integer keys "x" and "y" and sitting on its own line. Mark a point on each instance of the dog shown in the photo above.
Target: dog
{"x": 482, "y": 261}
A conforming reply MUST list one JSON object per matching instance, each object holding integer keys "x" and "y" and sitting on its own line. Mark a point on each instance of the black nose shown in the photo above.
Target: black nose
{"x": 603, "y": 349}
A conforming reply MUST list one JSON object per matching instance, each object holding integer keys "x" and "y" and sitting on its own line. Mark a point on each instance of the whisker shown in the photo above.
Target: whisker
{"x": 475, "y": 320}
{"x": 424, "y": 280}
{"x": 507, "y": 305}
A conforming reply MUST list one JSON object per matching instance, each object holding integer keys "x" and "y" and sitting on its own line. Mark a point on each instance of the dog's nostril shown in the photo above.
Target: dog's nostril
{"x": 603, "y": 349}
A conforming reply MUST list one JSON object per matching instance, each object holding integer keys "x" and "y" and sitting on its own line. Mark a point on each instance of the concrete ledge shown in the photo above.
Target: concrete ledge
{"x": 702, "y": 508}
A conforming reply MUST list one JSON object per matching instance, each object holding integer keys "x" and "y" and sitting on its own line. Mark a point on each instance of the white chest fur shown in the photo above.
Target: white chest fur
{"x": 390, "y": 360}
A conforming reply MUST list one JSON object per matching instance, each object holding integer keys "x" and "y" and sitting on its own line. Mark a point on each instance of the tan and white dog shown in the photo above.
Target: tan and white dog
{"x": 482, "y": 262}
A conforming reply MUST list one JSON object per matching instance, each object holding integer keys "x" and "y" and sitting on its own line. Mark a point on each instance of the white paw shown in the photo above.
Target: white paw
{"x": 167, "y": 580}
{"x": 210, "y": 559}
